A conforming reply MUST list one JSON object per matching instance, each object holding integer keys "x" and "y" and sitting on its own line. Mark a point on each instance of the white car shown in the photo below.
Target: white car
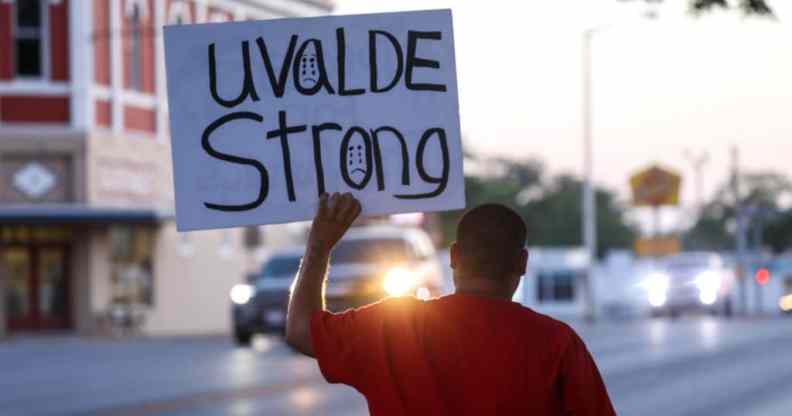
{"x": 373, "y": 262}
{"x": 690, "y": 281}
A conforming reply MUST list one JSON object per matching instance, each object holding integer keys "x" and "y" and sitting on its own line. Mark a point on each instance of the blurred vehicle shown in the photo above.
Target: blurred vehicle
{"x": 692, "y": 281}
{"x": 260, "y": 306}
{"x": 785, "y": 302}
{"x": 370, "y": 263}
{"x": 373, "y": 262}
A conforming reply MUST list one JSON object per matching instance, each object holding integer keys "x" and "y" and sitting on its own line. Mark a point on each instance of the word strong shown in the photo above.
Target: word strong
{"x": 266, "y": 116}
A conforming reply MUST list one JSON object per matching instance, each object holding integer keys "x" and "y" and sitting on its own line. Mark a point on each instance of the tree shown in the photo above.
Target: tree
{"x": 778, "y": 232}
{"x": 554, "y": 218}
{"x": 748, "y": 7}
{"x": 550, "y": 207}
{"x": 761, "y": 193}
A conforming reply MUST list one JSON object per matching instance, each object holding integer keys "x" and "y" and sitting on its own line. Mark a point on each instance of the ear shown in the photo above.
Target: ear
{"x": 453, "y": 255}
{"x": 522, "y": 266}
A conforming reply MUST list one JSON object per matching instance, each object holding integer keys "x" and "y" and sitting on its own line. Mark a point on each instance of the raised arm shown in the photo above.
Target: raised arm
{"x": 333, "y": 218}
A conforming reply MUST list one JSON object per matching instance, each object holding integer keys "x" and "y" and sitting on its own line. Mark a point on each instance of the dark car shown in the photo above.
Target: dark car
{"x": 368, "y": 264}
{"x": 260, "y": 305}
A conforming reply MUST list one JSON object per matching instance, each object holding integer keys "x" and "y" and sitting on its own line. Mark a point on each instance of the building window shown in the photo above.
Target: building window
{"x": 555, "y": 286}
{"x": 131, "y": 265}
{"x": 179, "y": 12}
{"x": 135, "y": 49}
{"x": 29, "y": 38}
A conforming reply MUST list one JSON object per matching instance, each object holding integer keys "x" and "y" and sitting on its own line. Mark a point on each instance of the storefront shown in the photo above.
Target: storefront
{"x": 45, "y": 258}
{"x": 86, "y": 191}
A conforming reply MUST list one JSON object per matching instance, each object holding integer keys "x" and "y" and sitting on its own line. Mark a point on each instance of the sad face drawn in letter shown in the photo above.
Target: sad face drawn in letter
{"x": 308, "y": 67}
{"x": 356, "y": 164}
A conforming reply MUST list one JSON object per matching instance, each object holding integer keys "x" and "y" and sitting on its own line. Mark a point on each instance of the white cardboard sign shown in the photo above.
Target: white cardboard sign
{"x": 267, "y": 115}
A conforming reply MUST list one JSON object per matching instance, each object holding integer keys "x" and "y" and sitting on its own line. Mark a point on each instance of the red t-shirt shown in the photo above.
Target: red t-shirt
{"x": 459, "y": 355}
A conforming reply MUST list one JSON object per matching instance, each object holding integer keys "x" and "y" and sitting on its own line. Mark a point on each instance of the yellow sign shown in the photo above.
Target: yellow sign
{"x": 657, "y": 246}
{"x": 655, "y": 186}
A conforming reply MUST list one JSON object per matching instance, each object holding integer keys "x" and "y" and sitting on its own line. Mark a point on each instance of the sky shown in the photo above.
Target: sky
{"x": 660, "y": 87}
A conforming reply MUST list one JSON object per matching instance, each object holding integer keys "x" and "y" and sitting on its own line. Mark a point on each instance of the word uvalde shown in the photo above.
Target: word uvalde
{"x": 359, "y": 158}
{"x": 306, "y": 63}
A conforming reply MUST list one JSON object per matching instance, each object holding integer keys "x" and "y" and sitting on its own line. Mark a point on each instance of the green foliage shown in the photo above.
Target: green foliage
{"x": 748, "y": 7}
{"x": 762, "y": 192}
{"x": 778, "y": 232}
{"x": 550, "y": 208}
{"x": 711, "y": 230}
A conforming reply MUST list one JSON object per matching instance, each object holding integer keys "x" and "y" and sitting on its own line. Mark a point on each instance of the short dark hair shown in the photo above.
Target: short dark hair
{"x": 488, "y": 239}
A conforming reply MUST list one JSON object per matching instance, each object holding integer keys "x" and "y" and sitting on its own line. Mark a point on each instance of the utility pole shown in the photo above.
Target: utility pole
{"x": 757, "y": 234}
{"x": 698, "y": 160}
{"x": 588, "y": 202}
{"x": 742, "y": 229}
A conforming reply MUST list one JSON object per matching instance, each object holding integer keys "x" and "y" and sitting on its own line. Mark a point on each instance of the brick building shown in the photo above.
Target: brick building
{"x": 86, "y": 198}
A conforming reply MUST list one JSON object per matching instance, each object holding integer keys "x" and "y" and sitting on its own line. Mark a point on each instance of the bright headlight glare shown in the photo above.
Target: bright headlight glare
{"x": 656, "y": 285}
{"x": 657, "y": 298}
{"x": 398, "y": 281}
{"x": 708, "y": 297}
{"x": 708, "y": 282}
{"x": 656, "y": 282}
{"x": 241, "y": 294}
{"x": 785, "y": 303}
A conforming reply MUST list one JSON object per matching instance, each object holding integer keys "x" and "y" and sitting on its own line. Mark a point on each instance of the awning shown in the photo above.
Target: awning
{"x": 78, "y": 214}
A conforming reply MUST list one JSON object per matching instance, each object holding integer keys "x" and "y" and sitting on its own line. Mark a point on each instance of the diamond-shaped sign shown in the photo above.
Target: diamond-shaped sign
{"x": 34, "y": 180}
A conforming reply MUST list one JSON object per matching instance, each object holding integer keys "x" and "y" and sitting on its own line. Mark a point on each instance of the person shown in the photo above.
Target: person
{"x": 474, "y": 352}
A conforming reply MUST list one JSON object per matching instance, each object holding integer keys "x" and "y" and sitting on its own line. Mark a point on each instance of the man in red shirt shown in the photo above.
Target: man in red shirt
{"x": 471, "y": 353}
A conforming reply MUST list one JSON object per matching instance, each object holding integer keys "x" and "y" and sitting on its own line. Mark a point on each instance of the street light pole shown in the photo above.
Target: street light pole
{"x": 588, "y": 202}
{"x": 589, "y": 207}
{"x": 698, "y": 160}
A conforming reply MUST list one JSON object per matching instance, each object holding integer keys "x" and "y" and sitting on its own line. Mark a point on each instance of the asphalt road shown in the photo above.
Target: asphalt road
{"x": 693, "y": 366}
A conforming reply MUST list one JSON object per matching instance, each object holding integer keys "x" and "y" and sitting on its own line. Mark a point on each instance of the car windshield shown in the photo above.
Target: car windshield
{"x": 382, "y": 250}
{"x": 280, "y": 266}
{"x": 691, "y": 263}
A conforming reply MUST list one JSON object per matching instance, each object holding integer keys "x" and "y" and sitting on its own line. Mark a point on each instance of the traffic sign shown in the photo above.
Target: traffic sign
{"x": 655, "y": 186}
{"x": 657, "y": 246}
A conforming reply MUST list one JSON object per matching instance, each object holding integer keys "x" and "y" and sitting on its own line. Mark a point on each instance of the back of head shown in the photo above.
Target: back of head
{"x": 490, "y": 239}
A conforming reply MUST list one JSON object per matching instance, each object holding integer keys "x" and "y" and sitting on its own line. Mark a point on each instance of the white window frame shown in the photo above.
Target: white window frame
{"x": 179, "y": 13}
{"x": 137, "y": 68}
{"x": 44, "y": 43}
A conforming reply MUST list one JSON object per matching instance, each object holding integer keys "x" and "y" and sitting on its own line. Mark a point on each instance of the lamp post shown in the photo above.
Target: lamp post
{"x": 588, "y": 207}
{"x": 698, "y": 160}
{"x": 588, "y": 202}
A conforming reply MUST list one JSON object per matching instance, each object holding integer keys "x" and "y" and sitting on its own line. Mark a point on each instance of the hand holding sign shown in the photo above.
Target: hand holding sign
{"x": 335, "y": 215}
{"x": 267, "y": 116}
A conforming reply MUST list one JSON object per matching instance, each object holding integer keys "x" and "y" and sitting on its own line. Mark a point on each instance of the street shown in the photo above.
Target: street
{"x": 692, "y": 366}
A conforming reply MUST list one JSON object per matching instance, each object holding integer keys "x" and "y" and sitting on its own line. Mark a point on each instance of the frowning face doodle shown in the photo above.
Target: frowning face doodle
{"x": 356, "y": 163}
{"x": 309, "y": 73}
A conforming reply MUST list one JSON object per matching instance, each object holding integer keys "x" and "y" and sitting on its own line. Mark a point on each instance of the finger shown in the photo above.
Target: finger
{"x": 345, "y": 207}
{"x": 355, "y": 211}
{"x": 332, "y": 205}
{"x": 322, "y": 211}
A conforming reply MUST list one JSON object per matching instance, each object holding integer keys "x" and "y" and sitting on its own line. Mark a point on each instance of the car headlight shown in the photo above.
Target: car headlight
{"x": 657, "y": 282}
{"x": 399, "y": 281}
{"x": 241, "y": 294}
{"x": 657, "y": 285}
{"x": 708, "y": 282}
{"x": 785, "y": 303}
